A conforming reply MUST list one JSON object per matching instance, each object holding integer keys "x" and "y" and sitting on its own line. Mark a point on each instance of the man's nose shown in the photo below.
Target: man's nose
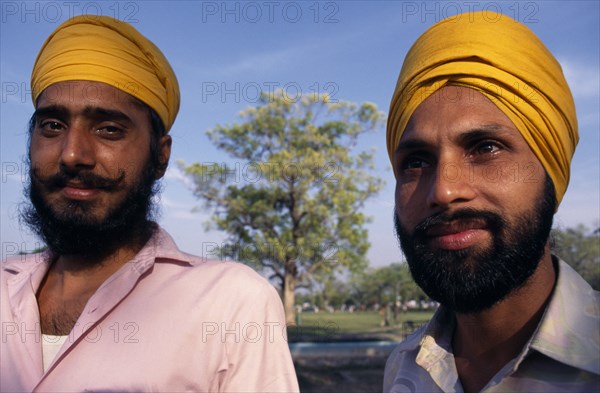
{"x": 78, "y": 151}
{"x": 450, "y": 185}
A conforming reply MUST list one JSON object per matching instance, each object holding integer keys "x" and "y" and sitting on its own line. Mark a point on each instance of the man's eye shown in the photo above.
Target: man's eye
{"x": 414, "y": 163}
{"x": 487, "y": 148}
{"x": 110, "y": 131}
{"x": 51, "y": 126}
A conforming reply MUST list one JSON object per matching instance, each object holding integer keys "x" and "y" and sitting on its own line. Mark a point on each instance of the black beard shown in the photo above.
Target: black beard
{"x": 73, "y": 231}
{"x": 475, "y": 279}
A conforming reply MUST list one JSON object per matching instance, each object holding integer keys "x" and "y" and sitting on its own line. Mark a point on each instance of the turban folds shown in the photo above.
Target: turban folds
{"x": 103, "y": 49}
{"x": 507, "y": 63}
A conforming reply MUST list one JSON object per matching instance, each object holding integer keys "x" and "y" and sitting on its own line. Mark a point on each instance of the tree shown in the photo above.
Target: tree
{"x": 383, "y": 285}
{"x": 580, "y": 248}
{"x": 291, "y": 202}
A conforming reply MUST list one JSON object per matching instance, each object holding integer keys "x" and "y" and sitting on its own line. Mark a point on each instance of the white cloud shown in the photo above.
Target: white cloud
{"x": 584, "y": 79}
{"x": 175, "y": 173}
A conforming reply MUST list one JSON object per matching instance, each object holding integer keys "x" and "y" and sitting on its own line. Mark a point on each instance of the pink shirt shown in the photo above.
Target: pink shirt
{"x": 166, "y": 321}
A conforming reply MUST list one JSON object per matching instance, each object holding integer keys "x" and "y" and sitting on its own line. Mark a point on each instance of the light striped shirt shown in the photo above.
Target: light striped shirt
{"x": 563, "y": 355}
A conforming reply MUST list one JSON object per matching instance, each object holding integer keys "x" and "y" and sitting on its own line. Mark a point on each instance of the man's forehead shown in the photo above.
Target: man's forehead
{"x": 455, "y": 110}
{"x": 86, "y": 93}
{"x": 454, "y": 95}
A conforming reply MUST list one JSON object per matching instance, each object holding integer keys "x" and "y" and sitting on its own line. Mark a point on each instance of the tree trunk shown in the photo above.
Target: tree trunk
{"x": 289, "y": 296}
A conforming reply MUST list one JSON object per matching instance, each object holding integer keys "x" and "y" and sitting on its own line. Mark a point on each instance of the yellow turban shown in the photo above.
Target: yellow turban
{"x": 506, "y": 62}
{"x": 103, "y": 49}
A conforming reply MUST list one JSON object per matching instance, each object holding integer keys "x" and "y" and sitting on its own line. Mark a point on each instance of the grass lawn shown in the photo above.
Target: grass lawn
{"x": 329, "y": 326}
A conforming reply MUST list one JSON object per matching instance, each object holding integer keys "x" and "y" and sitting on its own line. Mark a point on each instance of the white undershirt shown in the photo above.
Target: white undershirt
{"x": 50, "y": 347}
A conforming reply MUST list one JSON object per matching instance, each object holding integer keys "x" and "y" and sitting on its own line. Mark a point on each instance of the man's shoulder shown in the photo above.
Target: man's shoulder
{"x": 22, "y": 262}
{"x": 568, "y": 332}
{"x": 430, "y": 336}
{"x": 569, "y": 276}
{"x": 408, "y": 347}
{"x": 220, "y": 275}
{"x": 163, "y": 248}
{"x": 573, "y": 289}
{"x": 403, "y": 358}
{"x": 231, "y": 271}
{"x": 412, "y": 341}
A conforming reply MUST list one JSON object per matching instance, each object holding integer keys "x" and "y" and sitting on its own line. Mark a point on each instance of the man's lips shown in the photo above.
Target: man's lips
{"x": 458, "y": 235}
{"x": 79, "y": 191}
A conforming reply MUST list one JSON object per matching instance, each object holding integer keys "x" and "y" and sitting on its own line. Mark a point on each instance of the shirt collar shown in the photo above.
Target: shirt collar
{"x": 161, "y": 248}
{"x": 569, "y": 331}
{"x": 436, "y": 338}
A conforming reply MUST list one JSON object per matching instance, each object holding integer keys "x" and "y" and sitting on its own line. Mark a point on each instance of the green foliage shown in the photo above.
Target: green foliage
{"x": 383, "y": 285}
{"x": 291, "y": 202}
{"x": 334, "y": 293}
{"x": 580, "y": 248}
{"x": 365, "y": 288}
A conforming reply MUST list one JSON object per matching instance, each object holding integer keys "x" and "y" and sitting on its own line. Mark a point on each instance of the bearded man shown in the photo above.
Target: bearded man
{"x": 481, "y": 131}
{"x": 113, "y": 304}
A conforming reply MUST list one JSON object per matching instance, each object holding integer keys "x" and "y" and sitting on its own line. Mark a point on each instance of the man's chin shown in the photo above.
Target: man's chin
{"x": 475, "y": 278}
{"x": 82, "y": 217}
{"x": 89, "y": 236}
{"x": 466, "y": 259}
{"x": 456, "y": 280}
{"x": 91, "y": 228}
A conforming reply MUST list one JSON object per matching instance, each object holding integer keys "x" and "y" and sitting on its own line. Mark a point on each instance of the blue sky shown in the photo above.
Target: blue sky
{"x": 225, "y": 52}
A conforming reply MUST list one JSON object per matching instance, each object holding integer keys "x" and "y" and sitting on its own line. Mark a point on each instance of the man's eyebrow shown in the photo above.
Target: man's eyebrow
{"x": 486, "y": 131}
{"x": 51, "y": 110}
{"x": 93, "y": 112}
{"x": 412, "y": 144}
{"x": 104, "y": 113}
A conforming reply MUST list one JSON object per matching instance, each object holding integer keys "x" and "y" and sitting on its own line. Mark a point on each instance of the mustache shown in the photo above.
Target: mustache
{"x": 85, "y": 179}
{"x": 492, "y": 220}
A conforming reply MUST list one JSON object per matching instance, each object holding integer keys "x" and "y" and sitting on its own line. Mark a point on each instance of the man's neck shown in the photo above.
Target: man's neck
{"x": 70, "y": 283}
{"x": 485, "y": 342}
{"x": 85, "y": 270}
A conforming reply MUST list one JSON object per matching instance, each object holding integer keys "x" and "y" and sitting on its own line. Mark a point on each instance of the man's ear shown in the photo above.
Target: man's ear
{"x": 163, "y": 156}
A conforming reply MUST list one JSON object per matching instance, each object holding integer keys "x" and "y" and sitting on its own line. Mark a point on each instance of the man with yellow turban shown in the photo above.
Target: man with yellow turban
{"x": 113, "y": 304}
{"x": 480, "y": 134}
